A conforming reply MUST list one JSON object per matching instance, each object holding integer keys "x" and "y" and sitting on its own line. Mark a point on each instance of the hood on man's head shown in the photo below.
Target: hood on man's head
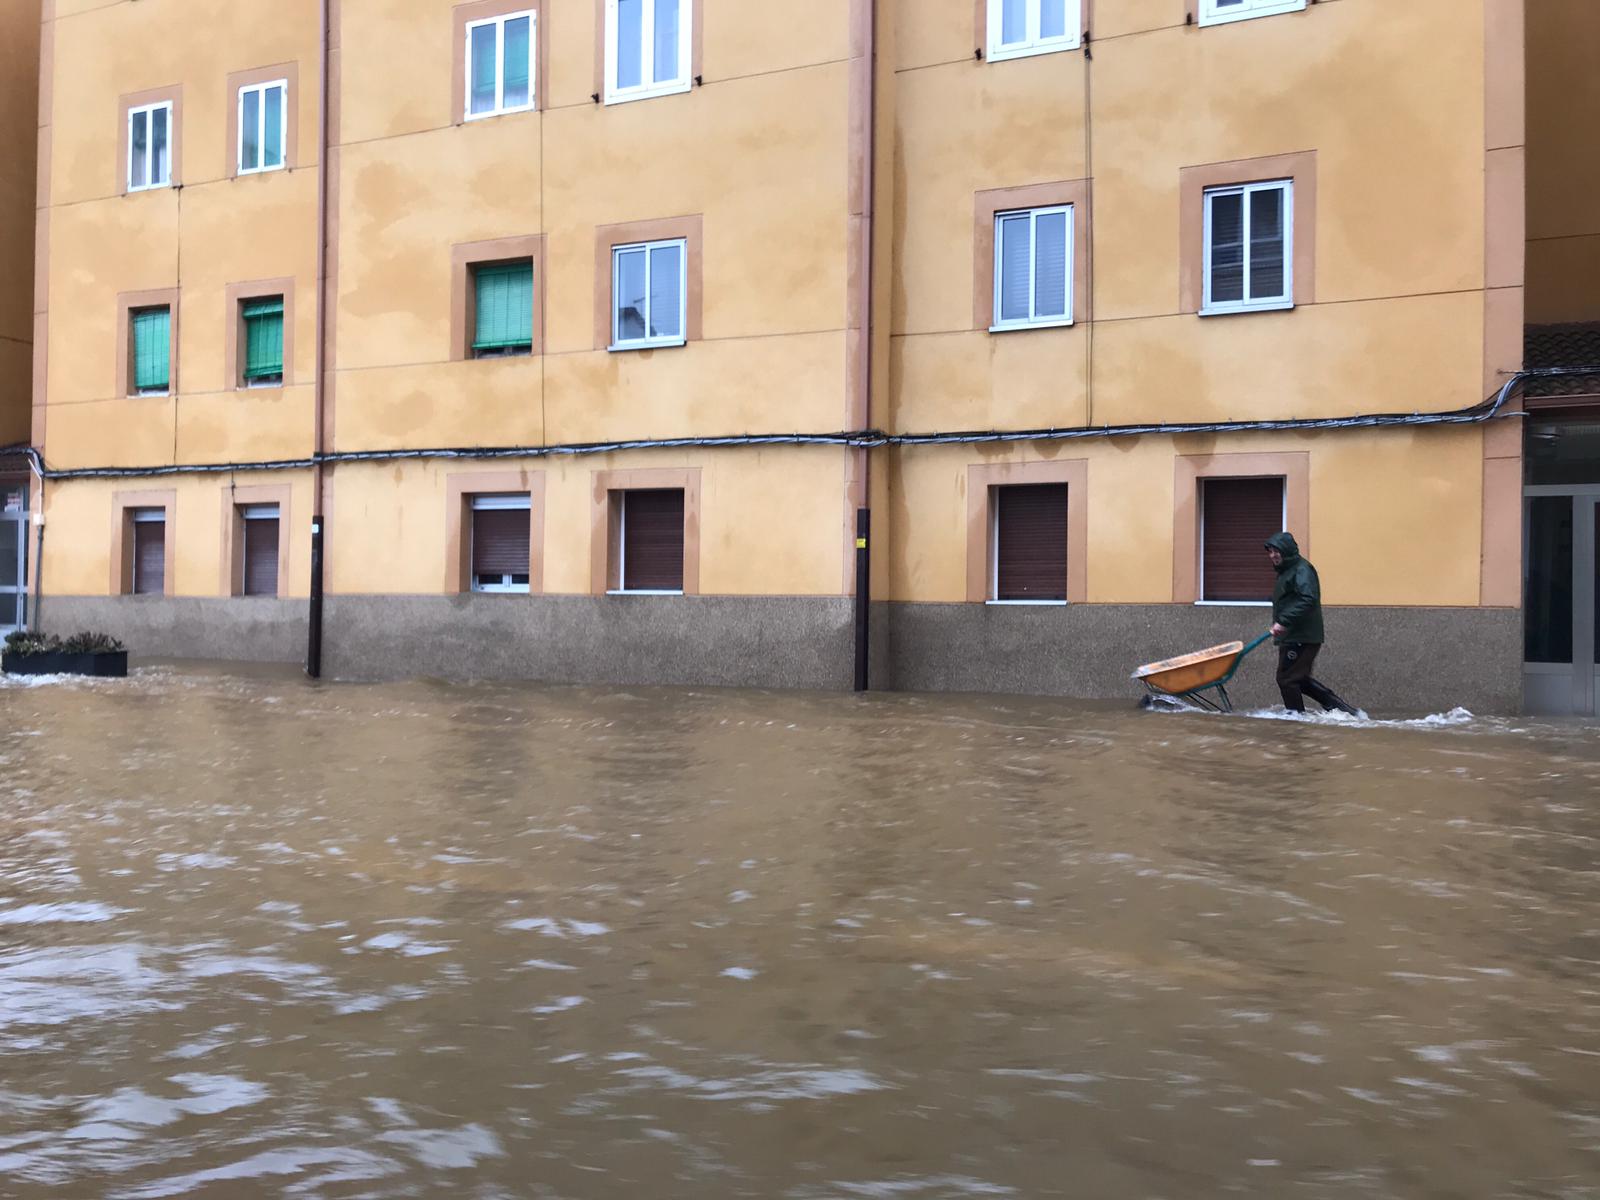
{"x": 1284, "y": 544}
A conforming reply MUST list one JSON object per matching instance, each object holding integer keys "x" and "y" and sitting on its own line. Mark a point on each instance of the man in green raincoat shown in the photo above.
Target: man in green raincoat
{"x": 1297, "y": 626}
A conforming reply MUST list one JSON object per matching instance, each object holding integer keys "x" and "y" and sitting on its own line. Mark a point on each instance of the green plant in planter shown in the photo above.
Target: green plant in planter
{"x": 24, "y": 644}
{"x": 91, "y": 643}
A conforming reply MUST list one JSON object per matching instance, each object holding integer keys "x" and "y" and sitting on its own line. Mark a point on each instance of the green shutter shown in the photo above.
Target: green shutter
{"x": 263, "y": 328}
{"x": 505, "y": 307}
{"x": 152, "y": 340}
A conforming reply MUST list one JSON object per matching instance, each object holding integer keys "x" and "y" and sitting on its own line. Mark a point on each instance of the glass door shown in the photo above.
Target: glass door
{"x": 1561, "y": 576}
{"x": 14, "y": 559}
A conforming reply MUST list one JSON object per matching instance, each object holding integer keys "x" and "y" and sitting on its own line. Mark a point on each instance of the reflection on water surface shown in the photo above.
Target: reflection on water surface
{"x": 264, "y": 938}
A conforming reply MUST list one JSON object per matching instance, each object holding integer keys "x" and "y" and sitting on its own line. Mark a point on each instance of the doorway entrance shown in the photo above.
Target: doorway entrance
{"x": 13, "y": 557}
{"x": 1561, "y": 569}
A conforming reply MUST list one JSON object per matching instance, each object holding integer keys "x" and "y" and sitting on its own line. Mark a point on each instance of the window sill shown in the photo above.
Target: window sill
{"x": 262, "y": 385}
{"x": 664, "y": 344}
{"x": 150, "y": 187}
{"x": 498, "y": 355}
{"x": 1026, "y": 603}
{"x": 149, "y": 394}
{"x": 501, "y": 591}
{"x": 1237, "y": 310}
{"x": 499, "y": 112}
{"x": 1002, "y": 55}
{"x": 641, "y": 592}
{"x": 243, "y": 171}
{"x": 1233, "y": 603}
{"x": 1019, "y": 326}
{"x": 675, "y": 88}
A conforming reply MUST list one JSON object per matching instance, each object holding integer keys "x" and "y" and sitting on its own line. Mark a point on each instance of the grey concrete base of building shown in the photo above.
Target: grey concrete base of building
{"x": 240, "y": 629}
{"x": 1387, "y": 660}
{"x": 698, "y": 641}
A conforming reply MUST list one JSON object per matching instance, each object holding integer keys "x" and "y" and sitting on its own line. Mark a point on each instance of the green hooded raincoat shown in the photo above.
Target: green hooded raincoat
{"x": 1297, "y": 595}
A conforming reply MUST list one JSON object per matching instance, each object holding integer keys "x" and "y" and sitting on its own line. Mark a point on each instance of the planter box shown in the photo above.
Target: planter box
{"x": 108, "y": 664}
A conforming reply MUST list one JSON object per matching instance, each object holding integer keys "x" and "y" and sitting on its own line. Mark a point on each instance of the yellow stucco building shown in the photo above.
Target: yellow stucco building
{"x": 568, "y": 339}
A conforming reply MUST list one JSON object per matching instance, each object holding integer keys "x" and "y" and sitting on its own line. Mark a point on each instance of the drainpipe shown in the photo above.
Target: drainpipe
{"x": 861, "y": 418}
{"x": 314, "y": 621}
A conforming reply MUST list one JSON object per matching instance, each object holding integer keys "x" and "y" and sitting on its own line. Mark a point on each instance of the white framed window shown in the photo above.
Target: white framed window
{"x": 501, "y": 62}
{"x": 1028, "y": 543}
{"x": 263, "y": 126}
{"x": 1237, "y": 516}
{"x": 1018, "y": 28}
{"x": 1033, "y": 268}
{"x": 150, "y": 146}
{"x": 1219, "y": 12}
{"x": 260, "y": 530}
{"x": 648, "y": 46}
{"x": 649, "y": 294}
{"x": 650, "y": 542}
{"x": 1249, "y": 248}
{"x": 501, "y": 533}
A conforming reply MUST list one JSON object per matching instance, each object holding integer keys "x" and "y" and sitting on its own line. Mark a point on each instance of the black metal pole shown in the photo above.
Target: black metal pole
{"x": 314, "y": 635}
{"x": 863, "y": 593}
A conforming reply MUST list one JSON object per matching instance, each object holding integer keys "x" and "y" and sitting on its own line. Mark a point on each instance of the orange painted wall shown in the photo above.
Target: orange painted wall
{"x": 19, "y": 133}
{"x": 1563, "y": 161}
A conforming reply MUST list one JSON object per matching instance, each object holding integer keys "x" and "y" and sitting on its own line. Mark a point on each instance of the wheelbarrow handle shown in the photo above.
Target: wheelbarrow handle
{"x": 1255, "y": 643}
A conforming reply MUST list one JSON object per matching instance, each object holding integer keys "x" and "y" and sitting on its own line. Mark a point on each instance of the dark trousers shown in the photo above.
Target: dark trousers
{"x": 1295, "y": 660}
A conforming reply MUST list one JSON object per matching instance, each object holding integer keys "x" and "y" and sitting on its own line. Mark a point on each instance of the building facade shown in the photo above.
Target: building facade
{"x": 567, "y": 339}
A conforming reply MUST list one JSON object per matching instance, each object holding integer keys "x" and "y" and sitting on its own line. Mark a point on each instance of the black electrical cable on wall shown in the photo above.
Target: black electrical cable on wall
{"x": 1487, "y": 410}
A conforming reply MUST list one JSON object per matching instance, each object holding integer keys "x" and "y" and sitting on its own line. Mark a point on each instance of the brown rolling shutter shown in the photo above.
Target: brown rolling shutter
{"x": 149, "y": 558}
{"x": 1239, "y": 516}
{"x": 1031, "y": 542}
{"x": 500, "y": 541}
{"x": 652, "y": 541}
{"x": 261, "y": 556}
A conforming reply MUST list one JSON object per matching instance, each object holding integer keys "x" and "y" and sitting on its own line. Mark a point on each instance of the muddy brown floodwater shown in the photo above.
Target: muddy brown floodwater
{"x": 262, "y": 938}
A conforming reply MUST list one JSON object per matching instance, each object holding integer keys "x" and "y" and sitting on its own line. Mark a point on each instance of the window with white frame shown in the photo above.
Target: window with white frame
{"x": 500, "y": 65}
{"x": 263, "y": 126}
{"x": 150, "y": 146}
{"x": 1217, "y": 12}
{"x": 501, "y": 536}
{"x": 649, "y": 293}
{"x": 1033, "y": 268}
{"x": 647, "y": 48}
{"x": 1018, "y": 28}
{"x": 1249, "y": 247}
{"x": 1028, "y": 544}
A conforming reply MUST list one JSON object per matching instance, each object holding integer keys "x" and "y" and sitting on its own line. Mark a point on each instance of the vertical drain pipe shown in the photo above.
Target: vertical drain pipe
{"x": 314, "y": 621}
{"x": 866, "y": 138}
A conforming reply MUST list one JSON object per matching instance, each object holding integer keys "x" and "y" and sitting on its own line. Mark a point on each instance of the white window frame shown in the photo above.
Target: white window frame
{"x": 257, "y": 512}
{"x": 994, "y": 556}
{"x": 622, "y": 559}
{"x": 1210, "y": 14}
{"x": 1033, "y": 43}
{"x": 512, "y": 502}
{"x": 261, "y": 130}
{"x": 500, "y": 108}
{"x": 1200, "y": 550}
{"x": 655, "y": 87}
{"x": 1033, "y": 321}
{"x": 1210, "y": 307}
{"x": 147, "y": 516}
{"x": 647, "y": 342}
{"x": 148, "y": 111}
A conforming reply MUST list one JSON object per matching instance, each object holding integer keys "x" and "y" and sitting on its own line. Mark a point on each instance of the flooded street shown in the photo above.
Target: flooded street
{"x": 261, "y": 938}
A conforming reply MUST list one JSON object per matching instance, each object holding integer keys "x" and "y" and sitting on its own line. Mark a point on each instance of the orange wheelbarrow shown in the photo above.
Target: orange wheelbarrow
{"x": 1201, "y": 678}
